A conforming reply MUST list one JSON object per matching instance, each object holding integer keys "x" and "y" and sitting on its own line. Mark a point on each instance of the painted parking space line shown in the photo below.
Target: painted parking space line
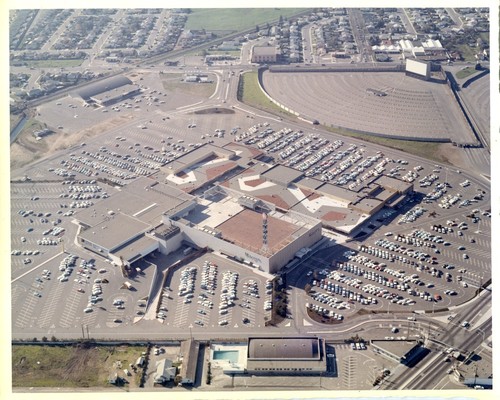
{"x": 50, "y": 306}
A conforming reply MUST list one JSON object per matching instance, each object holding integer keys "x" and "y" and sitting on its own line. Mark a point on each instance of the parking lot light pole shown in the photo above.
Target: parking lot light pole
{"x": 191, "y": 331}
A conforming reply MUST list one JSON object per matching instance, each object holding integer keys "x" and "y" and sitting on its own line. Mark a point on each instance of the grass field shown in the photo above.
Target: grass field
{"x": 234, "y": 53}
{"x": 172, "y": 82}
{"x": 464, "y": 73}
{"x": 14, "y": 119}
{"x": 234, "y": 19}
{"x": 68, "y": 366}
{"x": 428, "y": 150}
{"x": 249, "y": 92}
{"x": 467, "y": 52}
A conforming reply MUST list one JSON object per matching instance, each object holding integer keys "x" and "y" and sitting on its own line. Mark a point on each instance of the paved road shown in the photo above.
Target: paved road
{"x": 454, "y": 336}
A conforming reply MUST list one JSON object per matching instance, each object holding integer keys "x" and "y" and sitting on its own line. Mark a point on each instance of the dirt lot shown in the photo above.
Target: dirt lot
{"x": 452, "y": 155}
{"x": 72, "y": 366}
{"x": 27, "y": 149}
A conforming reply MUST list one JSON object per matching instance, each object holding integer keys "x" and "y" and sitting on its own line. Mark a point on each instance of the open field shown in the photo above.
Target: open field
{"x": 468, "y": 53}
{"x": 71, "y": 366}
{"x": 174, "y": 84}
{"x": 429, "y": 150}
{"x": 14, "y": 120}
{"x": 222, "y": 19}
{"x": 464, "y": 73}
{"x": 250, "y": 93}
{"x": 26, "y": 148}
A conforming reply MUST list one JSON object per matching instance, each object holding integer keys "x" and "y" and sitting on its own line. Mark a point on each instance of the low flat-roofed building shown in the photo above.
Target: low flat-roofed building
{"x": 265, "y": 54}
{"x": 111, "y": 233}
{"x": 394, "y": 184}
{"x": 248, "y": 154}
{"x": 382, "y": 194}
{"x": 134, "y": 250}
{"x": 398, "y": 350}
{"x": 338, "y": 193}
{"x": 200, "y": 155}
{"x": 281, "y": 175}
{"x": 144, "y": 199}
{"x": 122, "y": 227}
{"x": 286, "y": 356}
{"x": 189, "y": 350}
{"x": 367, "y": 205}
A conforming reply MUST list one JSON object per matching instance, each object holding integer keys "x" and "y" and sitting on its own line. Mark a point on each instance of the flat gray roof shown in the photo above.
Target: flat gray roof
{"x": 134, "y": 248}
{"x": 264, "y": 50}
{"x": 399, "y": 348}
{"x": 337, "y": 191}
{"x": 309, "y": 183}
{"x": 198, "y": 155}
{"x": 144, "y": 198}
{"x": 280, "y": 173}
{"x": 391, "y": 183}
{"x": 307, "y": 348}
{"x": 114, "y": 231}
{"x": 189, "y": 350}
{"x": 367, "y": 205}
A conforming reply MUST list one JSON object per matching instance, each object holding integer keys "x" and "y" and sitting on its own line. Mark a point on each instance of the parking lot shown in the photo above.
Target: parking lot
{"x": 214, "y": 292}
{"x": 41, "y": 218}
{"x": 72, "y": 291}
{"x": 432, "y": 254}
{"x": 444, "y": 228}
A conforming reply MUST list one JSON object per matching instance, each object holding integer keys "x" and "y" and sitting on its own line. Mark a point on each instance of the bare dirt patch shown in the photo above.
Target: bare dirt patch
{"x": 27, "y": 149}
{"x": 451, "y": 155}
{"x": 77, "y": 366}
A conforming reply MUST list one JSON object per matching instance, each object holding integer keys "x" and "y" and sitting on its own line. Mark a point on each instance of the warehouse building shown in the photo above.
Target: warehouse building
{"x": 107, "y": 91}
